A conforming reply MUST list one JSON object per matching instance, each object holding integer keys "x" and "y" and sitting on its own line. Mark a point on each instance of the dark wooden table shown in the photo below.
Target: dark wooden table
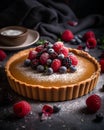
{"x": 72, "y": 116}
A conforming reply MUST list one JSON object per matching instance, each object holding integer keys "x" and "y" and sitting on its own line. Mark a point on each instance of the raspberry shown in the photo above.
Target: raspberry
{"x": 47, "y": 110}
{"x": 67, "y": 36}
{"x": 2, "y": 55}
{"x": 39, "y": 48}
{"x": 91, "y": 43}
{"x": 72, "y": 23}
{"x": 73, "y": 59}
{"x": 102, "y": 65}
{"x": 21, "y": 108}
{"x": 56, "y": 64}
{"x": 32, "y": 54}
{"x": 57, "y": 46}
{"x": 89, "y": 34}
{"x": 93, "y": 103}
{"x": 64, "y": 51}
{"x": 44, "y": 57}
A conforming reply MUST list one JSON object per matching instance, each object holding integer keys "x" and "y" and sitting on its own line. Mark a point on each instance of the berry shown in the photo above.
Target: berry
{"x": 56, "y": 64}
{"x": 93, "y": 103}
{"x": 49, "y": 61}
{"x": 44, "y": 57}
{"x": 72, "y": 68}
{"x": 67, "y": 36}
{"x": 40, "y": 68}
{"x": 32, "y": 54}
{"x": 91, "y": 43}
{"x": 49, "y": 46}
{"x": 72, "y": 23}
{"x": 56, "y": 109}
{"x": 50, "y": 51}
{"x": 62, "y": 69}
{"x": 21, "y": 108}
{"x": 89, "y": 34}
{"x": 49, "y": 71}
{"x": 34, "y": 63}
{"x": 99, "y": 117}
{"x": 61, "y": 56}
{"x": 39, "y": 48}
{"x": 27, "y": 62}
{"x": 2, "y": 55}
{"x": 102, "y": 65}
{"x": 66, "y": 62}
{"x": 64, "y": 51}
{"x": 73, "y": 59}
{"x": 47, "y": 110}
{"x": 57, "y": 46}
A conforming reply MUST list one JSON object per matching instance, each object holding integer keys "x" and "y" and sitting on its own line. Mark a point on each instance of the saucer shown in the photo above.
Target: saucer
{"x": 32, "y": 38}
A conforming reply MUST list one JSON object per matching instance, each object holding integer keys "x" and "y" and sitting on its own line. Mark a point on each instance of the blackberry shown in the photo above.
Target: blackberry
{"x": 34, "y": 63}
{"x": 66, "y": 62}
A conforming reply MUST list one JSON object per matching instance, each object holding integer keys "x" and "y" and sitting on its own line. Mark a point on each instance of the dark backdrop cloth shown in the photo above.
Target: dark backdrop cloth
{"x": 49, "y": 17}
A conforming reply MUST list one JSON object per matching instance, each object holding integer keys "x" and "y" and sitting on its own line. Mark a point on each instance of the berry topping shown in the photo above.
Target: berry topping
{"x": 57, "y": 46}
{"x": 27, "y": 62}
{"x": 56, "y": 64}
{"x": 51, "y": 58}
{"x": 67, "y": 36}
{"x": 32, "y": 54}
{"x": 39, "y": 48}
{"x": 93, "y": 103}
{"x": 21, "y": 108}
{"x": 62, "y": 69}
{"x": 66, "y": 62}
{"x": 44, "y": 57}
{"x": 64, "y": 51}
{"x": 34, "y": 63}
{"x": 72, "y": 68}
{"x": 73, "y": 59}
{"x": 91, "y": 43}
{"x": 2, "y": 55}
{"x": 49, "y": 71}
{"x": 40, "y": 68}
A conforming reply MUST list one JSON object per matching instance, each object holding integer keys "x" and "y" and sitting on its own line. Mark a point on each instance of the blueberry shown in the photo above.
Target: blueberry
{"x": 56, "y": 109}
{"x": 61, "y": 56}
{"x": 79, "y": 41}
{"x": 49, "y": 71}
{"x": 50, "y": 51}
{"x": 72, "y": 68}
{"x": 99, "y": 116}
{"x": 40, "y": 68}
{"x": 27, "y": 62}
{"x": 73, "y": 41}
{"x": 62, "y": 69}
{"x": 49, "y": 61}
{"x": 49, "y": 45}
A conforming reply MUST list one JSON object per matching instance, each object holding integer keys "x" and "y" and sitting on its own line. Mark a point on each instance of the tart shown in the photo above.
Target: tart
{"x": 56, "y": 86}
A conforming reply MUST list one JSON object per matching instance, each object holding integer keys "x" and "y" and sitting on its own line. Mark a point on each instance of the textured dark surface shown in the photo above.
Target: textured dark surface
{"x": 72, "y": 116}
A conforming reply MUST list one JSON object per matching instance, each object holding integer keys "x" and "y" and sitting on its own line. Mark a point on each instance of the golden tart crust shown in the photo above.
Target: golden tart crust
{"x": 51, "y": 92}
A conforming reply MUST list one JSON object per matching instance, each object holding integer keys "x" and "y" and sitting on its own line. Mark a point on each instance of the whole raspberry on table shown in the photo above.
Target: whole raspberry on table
{"x": 2, "y": 55}
{"x": 102, "y": 65}
{"x": 93, "y": 103}
{"x": 21, "y": 108}
{"x": 91, "y": 43}
{"x": 88, "y": 34}
{"x": 67, "y": 36}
